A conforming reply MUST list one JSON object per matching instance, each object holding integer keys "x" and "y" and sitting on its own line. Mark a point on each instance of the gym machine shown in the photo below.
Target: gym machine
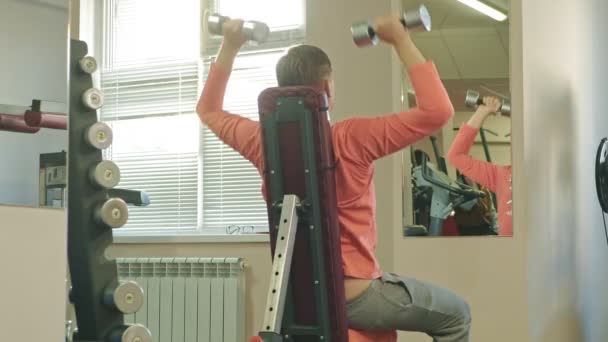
{"x": 307, "y": 305}
{"x": 417, "y": 19}
{"x": 436, "y": 195}
{"x": 601, "y": 174}
{"x": 52, "y": 179}
{"x": 34, "y": 117}
{"x": 32, "y": 120}
{"x": 94, "y": 208}
{"x": 15, "y": 123}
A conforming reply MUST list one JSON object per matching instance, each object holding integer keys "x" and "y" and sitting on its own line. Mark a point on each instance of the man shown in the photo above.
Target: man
{"x": 376, "y": 301}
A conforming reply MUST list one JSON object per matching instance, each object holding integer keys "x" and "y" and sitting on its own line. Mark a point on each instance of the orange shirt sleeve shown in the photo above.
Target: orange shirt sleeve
{"x": 478, "y": 171}
{"x": 368, "y": 139}
{"x": 240, "y": 133}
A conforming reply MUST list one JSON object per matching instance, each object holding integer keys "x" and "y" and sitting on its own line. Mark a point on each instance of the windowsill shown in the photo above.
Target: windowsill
{"x": 240, "y": 238}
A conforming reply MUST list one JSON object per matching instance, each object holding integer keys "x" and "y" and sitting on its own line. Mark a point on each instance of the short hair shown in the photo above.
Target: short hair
{"x": 303, "y": 65}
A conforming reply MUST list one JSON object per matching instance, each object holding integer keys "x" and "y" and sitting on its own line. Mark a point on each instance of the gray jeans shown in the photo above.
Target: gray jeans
{"x": 401, "y": 303}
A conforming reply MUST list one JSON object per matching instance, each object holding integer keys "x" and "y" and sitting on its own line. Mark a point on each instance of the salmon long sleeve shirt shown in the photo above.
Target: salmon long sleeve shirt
{"x": 497, "y": 178}
{"x": 357, "y": 143}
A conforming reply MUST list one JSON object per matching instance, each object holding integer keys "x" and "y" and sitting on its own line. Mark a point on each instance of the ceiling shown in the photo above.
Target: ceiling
{"x": 470, "y": 49}
{"x": 54, "y": 4}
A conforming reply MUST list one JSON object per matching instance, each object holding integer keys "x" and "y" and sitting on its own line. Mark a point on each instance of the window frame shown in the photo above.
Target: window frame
{"x": 91, "y": 29}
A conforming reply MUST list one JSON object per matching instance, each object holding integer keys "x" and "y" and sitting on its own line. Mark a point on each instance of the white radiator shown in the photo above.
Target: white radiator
{"x": 189, "y": 299}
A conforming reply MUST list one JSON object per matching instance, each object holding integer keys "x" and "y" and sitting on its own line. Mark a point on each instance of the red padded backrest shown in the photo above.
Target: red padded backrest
{"x": 292, "y": 164}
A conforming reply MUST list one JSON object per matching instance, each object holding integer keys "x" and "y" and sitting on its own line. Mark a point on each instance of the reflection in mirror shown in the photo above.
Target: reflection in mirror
{"x": 461, "y": 176}
{"x": 33, "y": 105}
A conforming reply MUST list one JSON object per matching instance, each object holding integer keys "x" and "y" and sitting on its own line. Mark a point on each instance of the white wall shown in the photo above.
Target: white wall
{"x": 564, "y": 68}
{"x": 593, "y": 126}
{"x": 33, "y": 65}
{"x": 33, "y": 262}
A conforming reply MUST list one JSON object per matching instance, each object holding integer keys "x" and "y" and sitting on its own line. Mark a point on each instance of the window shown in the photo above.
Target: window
{"x": 154, "y": 62}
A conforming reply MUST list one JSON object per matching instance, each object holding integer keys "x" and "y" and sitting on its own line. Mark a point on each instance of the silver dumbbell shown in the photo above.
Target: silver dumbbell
{"x": 127, "y": 297}
{"x": 99, "y": 135}
{"x": 113, "y": 213}
{"x": 252, "y": 30}
{"x": 473, "y": 99}
{"x": 131, "y": 333}
{"x": 417, "y": 19}
{"x": 105, "y": 174}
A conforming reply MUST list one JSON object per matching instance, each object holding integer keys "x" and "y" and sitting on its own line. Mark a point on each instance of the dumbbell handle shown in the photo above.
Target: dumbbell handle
{"x": 480, "y": 102}
{"x": 133, "y": 197}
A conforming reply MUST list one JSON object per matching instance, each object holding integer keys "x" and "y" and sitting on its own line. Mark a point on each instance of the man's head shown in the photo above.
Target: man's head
{"x": 306, "y": 65}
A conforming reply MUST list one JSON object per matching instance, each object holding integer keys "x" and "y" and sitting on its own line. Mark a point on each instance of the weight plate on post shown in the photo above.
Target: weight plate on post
{"x": 127, "y": 297}
{"x": 114, "y": 213}
{"x": 105, "y": 174}
{"x": 99, "y": 136}
{"x": 92, "y": 98}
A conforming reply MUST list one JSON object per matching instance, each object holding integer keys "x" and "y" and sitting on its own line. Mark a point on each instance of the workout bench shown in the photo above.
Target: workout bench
{"x": 307, "y": 304}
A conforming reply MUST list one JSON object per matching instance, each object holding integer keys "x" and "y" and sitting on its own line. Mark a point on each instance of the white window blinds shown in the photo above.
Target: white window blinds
{"x": 232, "y": 200}
{"x": 151, "y": 75}
{"x": 231, "y": 185}
{"x": 150, "y": 80}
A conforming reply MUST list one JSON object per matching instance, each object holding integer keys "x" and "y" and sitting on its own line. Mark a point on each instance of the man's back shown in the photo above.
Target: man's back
{"x": 356, "y": 208}
{"x": 358, "y": 142}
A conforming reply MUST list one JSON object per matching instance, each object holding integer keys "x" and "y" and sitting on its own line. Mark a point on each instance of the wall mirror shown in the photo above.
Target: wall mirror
{"x": 458, "y": 181}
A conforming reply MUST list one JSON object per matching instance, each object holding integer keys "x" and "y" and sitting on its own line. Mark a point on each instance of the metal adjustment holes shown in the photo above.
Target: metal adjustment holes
{"x": 88, "y": 64}
{"x": 132, "y": 333}
{"x": 127, "y": 297}
{"x": 92, "y": 98}
{"x": 99, "y": 136}
{"x": 113, "y": 213}
{"x": 106, "y": 174}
